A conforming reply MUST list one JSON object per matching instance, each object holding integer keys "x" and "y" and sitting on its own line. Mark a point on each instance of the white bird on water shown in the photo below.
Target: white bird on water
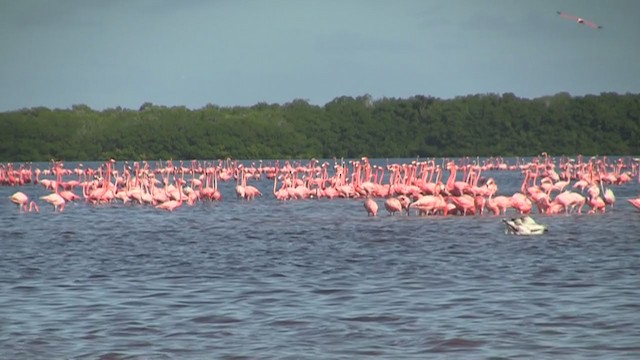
{"x": 524, "y": 225}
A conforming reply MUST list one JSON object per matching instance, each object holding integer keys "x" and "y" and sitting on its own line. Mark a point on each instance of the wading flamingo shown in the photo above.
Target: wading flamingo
{"x": 498, "y": 204}
{"x": 171, "y": 205}
{"x": 597, "y": 204}
{"x": 33, "y": 207}
{"x": 430, "y": 204}
{"x": 393, "y": 205}
{"x": 464, "y": 203}
{"x": 20, "y": 199}
{"x": 570, "y": 200}
{"x": 55, "y": 199}
{"x": 609, "y": 197}
{"x": 371, "y": 206}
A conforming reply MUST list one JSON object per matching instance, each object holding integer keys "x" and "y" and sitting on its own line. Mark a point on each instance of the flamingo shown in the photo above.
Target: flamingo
{"x": 240, "y": 190}
{"x": 430, "y": 204}
{"x": 635, "y": 202}
{"x": 55, "y": 199}
{"x": 68, "y": 195}
{"x": 454, "y": 187}
{"x": 521, "y": 203}
{"x": 499, "y": 204}
{"x": 216, "y": 195}
{"x": 570, "y": 200}
{"x": 33, "y": 206}
{"x": 609, "y": 197}
{"x": 558, "y": 186}
{"x": 597, "y": 204}
{"x": 20, "y": 199}
{"x": 170, "y": 205}
{"x": 282, "y": 193}
{"x": 405, "y": 202}
{"x": 250, "y": 191}
{"x": 371, "y": 206}
{"x": 464, "y": 203}
{"x": 192, "y": 195}
{"x": 393, "y": 205}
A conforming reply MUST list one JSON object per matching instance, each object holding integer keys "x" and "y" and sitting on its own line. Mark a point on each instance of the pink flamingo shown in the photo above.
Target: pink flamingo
{"x": 429, "y": 187}
{"x": 55, "y": 199}
{"x": 624, "y": 178}
{"x": 68, "y": 195}
{"x": 216, "y": 195}
{"x": 597, "y": 204}
{"x": 205, "y": 189}
{"x": 33, "y": 207}
{"x": 570, "y": 200}
{"x": 581, "y": 184}
{"x": 498, "y": 204}
{"x": 541, "y": 200}
{"x": 393, "y": 205}
{"x": 280, "y": 194}
{"x": 371, "y": 206}
{"x": 635, "y": 202}
{"x": 609, "y": 197}
{"x": 240, "y": 191}
{"x": 250, "y": 191}
{"x": 454, "y": 187}
{"x": 170, "y": 205}
{"x": 158, "y": 195}
{"x": 405, "y": 202}
{"x": 430, "y": 204}
{"x": 521, "y": 203}
{"x": 192, "y": 196}
{"x": 558, "y": 186}
{"x": 464, "y": 203}
{"x": 20, "y": 199}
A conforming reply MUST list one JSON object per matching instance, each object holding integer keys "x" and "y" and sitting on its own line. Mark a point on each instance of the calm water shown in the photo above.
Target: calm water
{"x": 314, "y": 279}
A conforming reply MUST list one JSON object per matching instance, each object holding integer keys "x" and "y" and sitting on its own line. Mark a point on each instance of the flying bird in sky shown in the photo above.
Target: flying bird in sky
{"x": 579, "y": 20}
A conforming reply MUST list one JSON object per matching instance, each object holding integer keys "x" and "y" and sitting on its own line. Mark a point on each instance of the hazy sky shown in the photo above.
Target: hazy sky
{"x": 108, "y": 53}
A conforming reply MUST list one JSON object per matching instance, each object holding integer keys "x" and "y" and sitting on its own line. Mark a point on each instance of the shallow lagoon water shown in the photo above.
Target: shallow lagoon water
{"x": 314, "y": 279}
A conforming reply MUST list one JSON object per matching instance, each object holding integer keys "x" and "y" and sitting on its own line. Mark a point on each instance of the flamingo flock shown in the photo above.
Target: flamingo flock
{"x": 548, "y": 187}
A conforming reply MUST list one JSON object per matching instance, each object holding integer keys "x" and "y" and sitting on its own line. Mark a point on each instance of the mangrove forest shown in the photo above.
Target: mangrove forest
{"x": 350, "y": 127}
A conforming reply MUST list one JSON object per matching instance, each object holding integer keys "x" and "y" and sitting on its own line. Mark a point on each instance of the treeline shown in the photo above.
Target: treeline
{"x": 476, "y": 125}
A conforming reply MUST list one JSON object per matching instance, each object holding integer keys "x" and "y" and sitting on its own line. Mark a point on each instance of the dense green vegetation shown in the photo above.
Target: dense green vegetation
{"x": 482, "y": 125}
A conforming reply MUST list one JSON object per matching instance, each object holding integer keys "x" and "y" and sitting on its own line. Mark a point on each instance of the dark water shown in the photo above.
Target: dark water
{"x": 314, "y": 279}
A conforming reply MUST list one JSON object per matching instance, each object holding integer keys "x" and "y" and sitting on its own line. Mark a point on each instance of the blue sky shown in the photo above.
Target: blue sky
{"x": 240, "y": 52}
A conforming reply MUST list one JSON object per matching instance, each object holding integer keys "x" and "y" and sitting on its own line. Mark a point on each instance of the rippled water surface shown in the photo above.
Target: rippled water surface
{"x": 314, "y": 279}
